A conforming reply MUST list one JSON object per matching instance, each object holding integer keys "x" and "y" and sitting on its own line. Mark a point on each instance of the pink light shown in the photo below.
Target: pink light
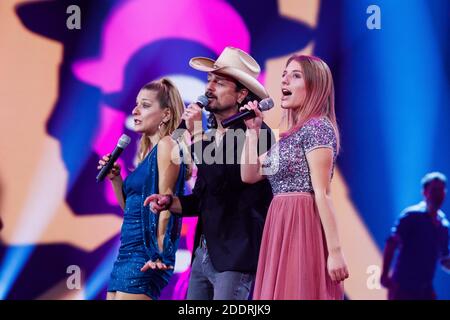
{"x": 111, "y": 128}
{"x": 214, "y": 24}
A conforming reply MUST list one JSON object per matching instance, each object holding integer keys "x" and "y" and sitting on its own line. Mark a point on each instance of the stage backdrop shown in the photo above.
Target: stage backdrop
{"x": 68, "y": 85}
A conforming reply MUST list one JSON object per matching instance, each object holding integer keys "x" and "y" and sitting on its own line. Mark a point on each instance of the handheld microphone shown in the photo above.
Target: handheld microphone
{"x": 121, "y": 144}
{"x": 263, "y": 105}
{"x": 202, "y": 101}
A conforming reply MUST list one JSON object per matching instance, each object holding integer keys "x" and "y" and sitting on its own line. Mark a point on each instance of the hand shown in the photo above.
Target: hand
{"x": 115, "y": 170}
{"x": 193, "y": 117}
{"x": 253, "y": 123}
{"x": 155, "y": 265}
{"x": 337, "y": 268}
{"x": 445, "y": 263}
{"x": 159, "y": 202}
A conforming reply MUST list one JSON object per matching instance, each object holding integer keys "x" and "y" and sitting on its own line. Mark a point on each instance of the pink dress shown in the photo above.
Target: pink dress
{"x": 293, "y": 256}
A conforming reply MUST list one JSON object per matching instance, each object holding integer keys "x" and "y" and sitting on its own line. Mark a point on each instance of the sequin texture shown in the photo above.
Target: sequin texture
{"x": 286, "y": 166}
{"x": 139, "y": 234}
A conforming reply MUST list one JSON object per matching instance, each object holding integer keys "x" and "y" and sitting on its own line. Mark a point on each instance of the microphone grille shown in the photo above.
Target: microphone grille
{"x": 203, "y": 101}
{"x": 266, "y": 104}
{"x": 123, "y": 141}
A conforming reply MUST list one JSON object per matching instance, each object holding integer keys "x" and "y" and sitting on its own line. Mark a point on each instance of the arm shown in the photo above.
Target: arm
{"x": 115, "y": 178}
{"x": 445, "y": 263}
{"x": 445, "y": 260}
{"x": 186, "y": 205}
{"x": 164, "y": 203}
{"x": 168, "y": 174}
{"x": 392, "y": 244}
{"x": 251, "y": 170}
{"x": 192, "y": 116}
{"x": 320, "y": 162}
{"x": 117, "y": 184}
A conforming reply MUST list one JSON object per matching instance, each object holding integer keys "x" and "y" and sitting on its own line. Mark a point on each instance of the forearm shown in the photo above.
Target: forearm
{"x": 388, "y": 255}
{"x": 196, "y": 137}
{"x": 163, "y": 221}
{"x": 164, "y": 216}
{"x": 250, "y": 165}
{"x": 117, "y": 187}
{"x": 328, "y": 219}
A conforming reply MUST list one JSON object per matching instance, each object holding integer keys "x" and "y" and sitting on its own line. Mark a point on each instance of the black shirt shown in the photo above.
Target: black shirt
{"x": 422, "y": 244}
{"x": 231, "y": 212}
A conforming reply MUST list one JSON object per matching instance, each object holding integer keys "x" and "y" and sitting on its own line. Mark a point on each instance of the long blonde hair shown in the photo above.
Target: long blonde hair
{"x": 168, "y": 97}
{"x": 319, "y": 99}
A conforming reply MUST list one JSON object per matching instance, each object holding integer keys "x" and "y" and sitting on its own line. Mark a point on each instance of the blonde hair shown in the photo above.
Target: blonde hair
{"x": 319, "y": 99}
{"x": 168, "y": 96}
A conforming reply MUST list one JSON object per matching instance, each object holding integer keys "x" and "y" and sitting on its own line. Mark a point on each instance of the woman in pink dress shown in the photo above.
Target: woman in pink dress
{"x": 300, "y": 255}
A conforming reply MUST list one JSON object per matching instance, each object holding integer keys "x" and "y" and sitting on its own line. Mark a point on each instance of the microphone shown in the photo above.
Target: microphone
{"x": 263, "y": 105}
{"x": 202, "y": 101}
{"x": 121, "y": 144}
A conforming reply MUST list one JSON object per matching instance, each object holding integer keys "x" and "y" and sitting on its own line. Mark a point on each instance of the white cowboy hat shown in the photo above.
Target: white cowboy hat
{"x": 237, "y": 64}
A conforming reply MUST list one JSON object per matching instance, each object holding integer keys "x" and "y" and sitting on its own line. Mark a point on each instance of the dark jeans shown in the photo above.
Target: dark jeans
{"x": 206, "y": 283}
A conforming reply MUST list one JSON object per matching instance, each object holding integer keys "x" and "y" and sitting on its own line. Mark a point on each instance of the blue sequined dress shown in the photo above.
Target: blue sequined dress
{"x": 139, "y": 234}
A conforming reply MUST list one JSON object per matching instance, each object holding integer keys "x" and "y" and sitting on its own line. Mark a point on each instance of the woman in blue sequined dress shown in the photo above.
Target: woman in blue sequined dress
{"x": 149, "y": 241}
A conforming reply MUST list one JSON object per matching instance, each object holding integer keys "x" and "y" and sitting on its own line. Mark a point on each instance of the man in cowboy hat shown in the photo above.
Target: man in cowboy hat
{"x": 231, "y": 213}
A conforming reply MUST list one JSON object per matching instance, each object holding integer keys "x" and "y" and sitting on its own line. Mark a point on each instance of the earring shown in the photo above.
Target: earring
{"x": 161, "y": 124}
